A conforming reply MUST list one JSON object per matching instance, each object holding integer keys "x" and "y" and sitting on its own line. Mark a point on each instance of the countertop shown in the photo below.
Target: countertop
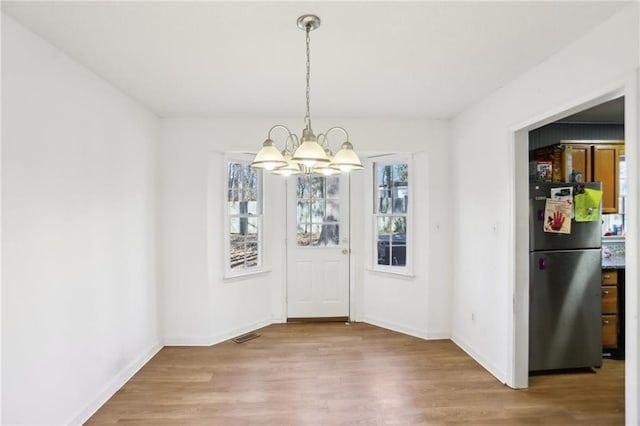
{"x": 613, "y": 252}
{"x": 613, "y": 264}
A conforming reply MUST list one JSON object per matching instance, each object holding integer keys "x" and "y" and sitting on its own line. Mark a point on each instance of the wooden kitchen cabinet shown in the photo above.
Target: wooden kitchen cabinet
{"x": 581, "y": 160}
{"x": 609, "y": 277}
{"x": 606, "y": 170}
{"x": 609, "y": 299}
{"x": 609, "y": 332}
{"x": 611, "y": 336}
{"x": 598, "y": 161}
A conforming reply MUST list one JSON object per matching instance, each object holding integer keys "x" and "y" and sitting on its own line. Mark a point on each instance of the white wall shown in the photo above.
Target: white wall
{"x": 419, "y": 305}
{"x": 602, "y": 60}
{"x": 200, "y": 307}
{"x": 1, "y": 274}
{"x": 78, "y": 198}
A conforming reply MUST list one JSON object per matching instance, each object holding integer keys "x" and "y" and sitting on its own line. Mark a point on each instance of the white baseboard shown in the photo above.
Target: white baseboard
{"x": 400, "y": 328}
{"x": 439, "y": 335}
{"x": 216, "y": 338}
{"x": 114, "y": 385}
{"x": 480, "y": 359}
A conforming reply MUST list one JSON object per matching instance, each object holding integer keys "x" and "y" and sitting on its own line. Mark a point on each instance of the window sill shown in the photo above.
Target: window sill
{"x": 245, "y": 276}
{"x": 405, "y": 275}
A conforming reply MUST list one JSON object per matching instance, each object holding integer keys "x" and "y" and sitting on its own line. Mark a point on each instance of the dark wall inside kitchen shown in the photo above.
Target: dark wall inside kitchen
{"x": 553, "y": 133}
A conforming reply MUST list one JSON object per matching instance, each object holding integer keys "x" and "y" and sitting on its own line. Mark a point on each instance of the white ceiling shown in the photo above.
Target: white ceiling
{"x": 368, "y": 59}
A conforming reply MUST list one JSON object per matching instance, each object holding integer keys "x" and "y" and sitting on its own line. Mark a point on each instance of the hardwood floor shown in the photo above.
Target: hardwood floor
{"x": 358, "y": 374}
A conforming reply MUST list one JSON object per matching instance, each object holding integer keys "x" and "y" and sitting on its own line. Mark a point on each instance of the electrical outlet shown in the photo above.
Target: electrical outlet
{"x": 473, "y": 316}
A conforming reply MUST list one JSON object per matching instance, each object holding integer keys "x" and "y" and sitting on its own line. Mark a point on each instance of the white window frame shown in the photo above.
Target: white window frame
{"x": 407, "y": 268}
{"x": 260, "y": 266}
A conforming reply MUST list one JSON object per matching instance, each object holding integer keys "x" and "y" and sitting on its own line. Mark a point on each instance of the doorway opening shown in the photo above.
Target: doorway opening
{"x": 576, "y": 272}
{"x": 519, "y": 373}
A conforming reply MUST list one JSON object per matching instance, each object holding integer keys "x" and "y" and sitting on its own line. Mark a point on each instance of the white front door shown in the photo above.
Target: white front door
{"x": 318, "y": 246}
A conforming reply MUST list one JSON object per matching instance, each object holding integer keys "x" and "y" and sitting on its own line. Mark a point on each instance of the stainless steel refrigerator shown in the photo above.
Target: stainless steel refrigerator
{"x": 565, "y": 302}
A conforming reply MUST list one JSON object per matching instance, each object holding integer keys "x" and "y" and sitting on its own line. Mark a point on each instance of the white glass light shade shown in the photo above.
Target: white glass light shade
{"x": 268, "y": 157}
{"x": 325, "y": 169}
{"x": 291, "y": 168}
{"x": 346, "y": 159}
{"x": 309, "y": 152}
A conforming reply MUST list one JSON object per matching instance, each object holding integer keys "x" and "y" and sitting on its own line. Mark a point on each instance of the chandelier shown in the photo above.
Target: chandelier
{"x": 308, "y": 154}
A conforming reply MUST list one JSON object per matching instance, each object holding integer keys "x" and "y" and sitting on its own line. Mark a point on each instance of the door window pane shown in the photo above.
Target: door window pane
{"x": 303, "y": 212}
{"x": 304, "y": 234}
{"x": 333, "y": 186}
{"x": 330, "y": 235}
{"x": 318, "y": 211}
{"x": 302, "y": 188}
{"x": 333, "y": 211}
{"x": 317, "y": 187}
{"x": 315, "y": 234}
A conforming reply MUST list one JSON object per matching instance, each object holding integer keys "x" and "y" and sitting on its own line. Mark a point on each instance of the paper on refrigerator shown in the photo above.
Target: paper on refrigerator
{"x": 564, "y": 193}
{"x": 557, "y": 214}
{"x": 588, "y": 205}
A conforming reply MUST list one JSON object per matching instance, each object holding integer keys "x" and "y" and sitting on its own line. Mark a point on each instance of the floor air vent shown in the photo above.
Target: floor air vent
{"x": 246, "y": 337}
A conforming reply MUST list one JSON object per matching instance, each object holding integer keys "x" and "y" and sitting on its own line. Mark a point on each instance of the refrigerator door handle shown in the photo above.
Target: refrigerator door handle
{"x": 542, "y": 263}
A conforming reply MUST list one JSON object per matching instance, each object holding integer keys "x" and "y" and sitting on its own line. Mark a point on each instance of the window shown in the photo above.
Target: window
{"x": 244, "y": 218}
{"x": 318, "y": 211}
{"x": 391, "y": 215}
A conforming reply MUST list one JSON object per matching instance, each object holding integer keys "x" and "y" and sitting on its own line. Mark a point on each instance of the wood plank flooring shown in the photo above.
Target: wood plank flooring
{"x": 358, "y": 374}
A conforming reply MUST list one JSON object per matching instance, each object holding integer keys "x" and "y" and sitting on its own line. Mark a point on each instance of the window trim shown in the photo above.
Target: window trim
{"x": 407, "y": 269}
{"x": 235, "y": 274}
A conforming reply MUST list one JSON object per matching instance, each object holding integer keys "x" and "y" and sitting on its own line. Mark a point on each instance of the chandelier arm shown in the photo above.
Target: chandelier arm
{"x": 323, "y": 140}
{"x": 338, "y": 128}
{"x": 291, "y": 143}
{"x": 279, "y": 126}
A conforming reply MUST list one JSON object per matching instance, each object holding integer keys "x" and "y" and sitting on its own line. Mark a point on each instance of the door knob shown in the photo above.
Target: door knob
{"x": 345, "y": 251}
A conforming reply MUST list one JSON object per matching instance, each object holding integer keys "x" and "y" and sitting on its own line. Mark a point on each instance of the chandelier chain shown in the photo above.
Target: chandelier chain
{"x": 308, "y": 65}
